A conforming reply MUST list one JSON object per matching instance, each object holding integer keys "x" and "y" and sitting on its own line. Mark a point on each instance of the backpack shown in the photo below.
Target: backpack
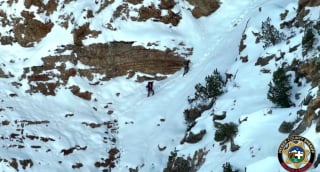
{"x": 186, "y": 62}
{"x": 150, "y": 85}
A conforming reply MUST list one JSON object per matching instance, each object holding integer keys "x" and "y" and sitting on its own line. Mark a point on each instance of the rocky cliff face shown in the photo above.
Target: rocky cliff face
{"x": 110, "y": 60}
{"x": 26, "y": 25}
{"x": 310, "y": 71}
{"x": 26, "y": 30}
{"x": 308, "y": 3}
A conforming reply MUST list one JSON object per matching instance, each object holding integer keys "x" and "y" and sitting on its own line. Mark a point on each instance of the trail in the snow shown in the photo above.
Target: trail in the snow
{"x": 146, "y": 131}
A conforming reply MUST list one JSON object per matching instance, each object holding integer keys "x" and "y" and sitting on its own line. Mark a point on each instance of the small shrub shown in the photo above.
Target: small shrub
{"x": 279, "y": 89}
{"x": 270, "y": 35}
{"x": 317, "y": 26}
{"x": 189, "y": 164}
{"x": 227, "y": 167}
{"x": 286, "y": 127}
{"x": 211, "y": 89}
{"x": 177, "y": 164}
{"x": 214, "y": 84}
{"x": 191, "y": 114}
{"x": 219, "y": 136}
{"x": 134, "y": 169}
{"x": 307, "y": 41}
{"x": 226, "y": 132}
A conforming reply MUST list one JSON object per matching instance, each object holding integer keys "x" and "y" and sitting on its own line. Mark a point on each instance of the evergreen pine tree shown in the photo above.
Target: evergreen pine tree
{"x": 214, "y": 84}
{"x": 307, "y": 40}
{"x": 279, "y": 89}
{"x": 201, "y": 92}
{"x": 226, "y": 132}
{"x": 270, "y": 34}
{"x": 212, "y": 89}
{"x": 227, "y": 167}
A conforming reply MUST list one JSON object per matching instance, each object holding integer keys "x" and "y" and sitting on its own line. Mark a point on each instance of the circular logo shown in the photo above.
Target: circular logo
{"x": 296, "y": 153}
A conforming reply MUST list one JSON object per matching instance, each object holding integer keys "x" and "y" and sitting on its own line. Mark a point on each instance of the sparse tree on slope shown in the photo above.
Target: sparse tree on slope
{"x": 279, "y": 89}
{"x": 307, "y": 40}
{"x": 212, "y": 88}
{"x": 270, "y": 35}
{"x": 226, "y": 132}
{"x": 228, "y": 168}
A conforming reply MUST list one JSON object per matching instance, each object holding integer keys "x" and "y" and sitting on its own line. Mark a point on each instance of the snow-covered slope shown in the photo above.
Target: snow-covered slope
{"x": 120, "y": 124}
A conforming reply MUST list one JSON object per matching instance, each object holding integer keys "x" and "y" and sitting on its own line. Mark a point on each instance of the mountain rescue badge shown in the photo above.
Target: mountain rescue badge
{"x": 296, "y": 154}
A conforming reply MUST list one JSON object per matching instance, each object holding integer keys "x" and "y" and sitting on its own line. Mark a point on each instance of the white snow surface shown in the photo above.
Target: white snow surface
{"x": 215, "y": 40}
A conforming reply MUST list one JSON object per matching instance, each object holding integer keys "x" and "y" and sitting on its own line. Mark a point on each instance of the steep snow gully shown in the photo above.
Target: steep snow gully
{"x": 215, "y": 40}
{"x": 148, "y": 129}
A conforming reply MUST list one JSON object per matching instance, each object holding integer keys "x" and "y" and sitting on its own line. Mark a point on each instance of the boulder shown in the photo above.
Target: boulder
{"x": 286, "y": 127}
{"x": 195, "y": 138}
{"x": 204, "y": 7}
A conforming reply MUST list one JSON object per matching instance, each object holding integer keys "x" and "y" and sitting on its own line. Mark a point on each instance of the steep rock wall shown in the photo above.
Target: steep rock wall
{"x": 110, "y": 60}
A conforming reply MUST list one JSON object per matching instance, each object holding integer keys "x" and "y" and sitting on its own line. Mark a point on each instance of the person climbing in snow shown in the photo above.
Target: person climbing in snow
{"x": 186, "y": 64}
{"x": 150, "y": 88}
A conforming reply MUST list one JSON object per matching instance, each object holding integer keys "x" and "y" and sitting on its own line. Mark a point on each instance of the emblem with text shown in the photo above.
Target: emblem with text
{"x": 296, "y": 154}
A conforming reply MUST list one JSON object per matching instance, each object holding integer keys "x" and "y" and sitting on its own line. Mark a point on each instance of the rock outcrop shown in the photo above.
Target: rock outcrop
{"x": 80, "y": 33}
{"x": 204, "y": 7}
{"x": 30, "y": 30}
{"x": 193, "y": 137}
{"x": 2, "y": 74}
{"x": 308, "y": 3}
{"x": 109, "y": 60}
{"x": 154, "y": 13}
{"x": 49, "y": 8}
{"x": 302, "y": 11}
{"x": 309, "y": 116}
{"x": 310, "y": 71}
{"x": 167, "y": 4}
{"x": 135, "y": 2}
